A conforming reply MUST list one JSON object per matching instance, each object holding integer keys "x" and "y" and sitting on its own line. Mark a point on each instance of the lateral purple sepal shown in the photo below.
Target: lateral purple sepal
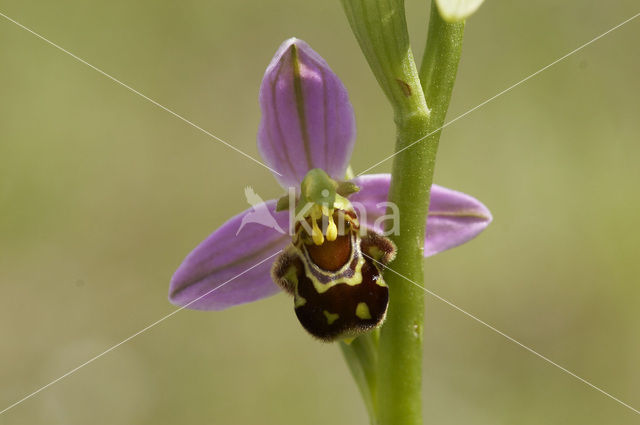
{"x": 227, "y": 260}
{"x": 454, "y": 217}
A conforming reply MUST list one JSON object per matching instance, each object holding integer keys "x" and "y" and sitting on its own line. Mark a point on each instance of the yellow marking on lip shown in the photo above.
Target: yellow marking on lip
{"x": 354, "y": 280}
{"x": 298, "y": 301}
{"x": 320, "y": 287}
{"x": 376, "y": 253}
{"x": 362, "y": 311}
{"x": 331, "y": 317}
{"x": 380, "y": 282}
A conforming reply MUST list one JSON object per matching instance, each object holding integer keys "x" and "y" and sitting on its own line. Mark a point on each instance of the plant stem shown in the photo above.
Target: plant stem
{"x": 440, "y": 64}
{"x": 400, "y": 352}
{"x": 380, "y": 28}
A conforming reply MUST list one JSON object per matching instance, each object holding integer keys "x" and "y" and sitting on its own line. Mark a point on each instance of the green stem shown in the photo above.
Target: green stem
{"x": 440, "y": 63}
{"x": 400, "y": 353}
{"x": 380, "y": 27}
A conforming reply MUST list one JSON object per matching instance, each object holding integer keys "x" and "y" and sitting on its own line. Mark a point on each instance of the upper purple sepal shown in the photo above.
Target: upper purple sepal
{"x": 307, "y": 119}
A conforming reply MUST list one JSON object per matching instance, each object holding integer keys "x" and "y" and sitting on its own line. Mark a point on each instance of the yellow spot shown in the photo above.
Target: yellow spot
{"x": 379, "y": 281}
{"x": 376, "y": 253}
{"x": 362, "y": 311}
{"x": 348, "y": 341}
{"x": 331, "y": 317}
{"x": 298, "y": 301}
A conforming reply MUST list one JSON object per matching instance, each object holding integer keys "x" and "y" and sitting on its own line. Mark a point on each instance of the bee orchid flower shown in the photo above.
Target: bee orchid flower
{"x": 331, "y": 260}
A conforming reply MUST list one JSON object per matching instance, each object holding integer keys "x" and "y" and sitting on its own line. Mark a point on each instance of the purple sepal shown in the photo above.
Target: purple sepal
{"x": 227, "y": 260}
{"x": 454, "y": 217}
{"x": 307, "y": 119}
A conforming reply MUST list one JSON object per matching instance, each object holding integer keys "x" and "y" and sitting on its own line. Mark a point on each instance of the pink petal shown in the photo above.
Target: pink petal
{"x": 454, "y": 217}
{"x": 232, "y": 266}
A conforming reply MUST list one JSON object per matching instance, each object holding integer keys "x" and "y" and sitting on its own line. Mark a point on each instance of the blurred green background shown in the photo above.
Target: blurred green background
{"x": 102, "y": 194}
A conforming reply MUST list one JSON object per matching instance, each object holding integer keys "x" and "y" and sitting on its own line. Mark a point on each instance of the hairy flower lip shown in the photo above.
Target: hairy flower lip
{"x": 246, "y": 239}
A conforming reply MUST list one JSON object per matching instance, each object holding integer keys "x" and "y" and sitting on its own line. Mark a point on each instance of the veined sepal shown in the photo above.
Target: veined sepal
{"x": 307, "y": 119}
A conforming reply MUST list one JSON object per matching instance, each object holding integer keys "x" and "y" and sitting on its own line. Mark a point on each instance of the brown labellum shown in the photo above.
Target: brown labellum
{"x": 337, "y": 286}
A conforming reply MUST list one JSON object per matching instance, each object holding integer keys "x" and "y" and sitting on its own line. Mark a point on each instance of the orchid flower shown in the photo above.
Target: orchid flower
{"x": 332, "y": 262}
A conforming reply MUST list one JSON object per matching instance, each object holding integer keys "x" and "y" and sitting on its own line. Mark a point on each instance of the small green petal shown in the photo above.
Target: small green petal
{"x": 347, "y": 188}
{"x": 283, "y": 203}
